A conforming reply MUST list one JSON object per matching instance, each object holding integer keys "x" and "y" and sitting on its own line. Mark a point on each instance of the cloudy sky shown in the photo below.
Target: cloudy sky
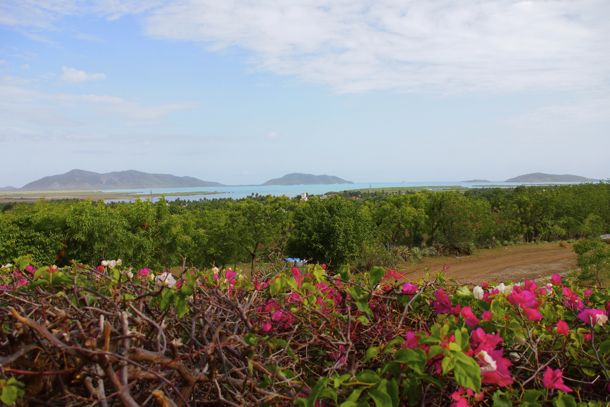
{"x": 238, "y": 91}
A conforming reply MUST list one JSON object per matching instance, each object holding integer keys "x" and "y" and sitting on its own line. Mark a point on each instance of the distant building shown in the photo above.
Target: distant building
{"x": 304, "y": 196}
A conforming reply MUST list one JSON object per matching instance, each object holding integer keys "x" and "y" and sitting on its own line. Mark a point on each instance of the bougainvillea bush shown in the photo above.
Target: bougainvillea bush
{"x": 110, "y": 335}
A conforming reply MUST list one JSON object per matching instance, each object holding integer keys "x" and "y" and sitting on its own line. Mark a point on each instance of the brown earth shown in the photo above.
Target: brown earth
{"x": 512, "y": 263}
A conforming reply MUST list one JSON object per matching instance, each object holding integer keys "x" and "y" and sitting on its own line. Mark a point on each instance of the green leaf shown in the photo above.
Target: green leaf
{"x": 368, "y": 376}
{"x": 532, "y": 395}
{"x": 467, "y": 372}
{"x": 604, "y": 347}
{"x": 371, "y": 353}
{"x": 339, "y": 380}
{"x": 500, "y": 399}
{"x": 564, "y": 400}
{"x": 464, "y": 292}
{"x": 380, "y": 395}
{"x": 415, "y": 359}
{"x": 12, "y": 390}
{"x": 375, "y": 276}
{"x": 354, "y": 396}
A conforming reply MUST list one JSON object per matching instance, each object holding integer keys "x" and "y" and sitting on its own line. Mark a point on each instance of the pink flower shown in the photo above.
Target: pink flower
{"x": 532, "y": 314}
{"x": 294, "y": 298}
{"x": 486, "y": 316}
{"x": 411, "y": 340}
{"x": 442, "y": 304}
{"x": 100, "y": 269}
{"x": 480, "y": 340}
{"x": 409, "y": 288}
{"x": 593, "y": 316}
{"x": 144, "y": 272}
{"x": 523, "y": 298}
{"x": 553, "y": 379}
{"x": 587, "y": 337}
{"x": 494, "y": 368}
{"x": 298, "y": 276}
{"x": 556, "y": 279}
{"x": 179, "y": 284}
{"x": 563, "y": 328}
{"x": 21, "y": 282}
{"x": 53, "y": 269}
{"x": 230, "y": 276}
{"x": 572, "y": 300}
{"x": 469, "y": 317}
{"x": 587, "y": 293}
{"x": 30, "y": 269}
{"x": 267, "y": 326}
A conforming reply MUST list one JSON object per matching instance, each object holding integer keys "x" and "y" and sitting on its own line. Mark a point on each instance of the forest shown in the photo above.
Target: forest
{"x": 361, "y": 230}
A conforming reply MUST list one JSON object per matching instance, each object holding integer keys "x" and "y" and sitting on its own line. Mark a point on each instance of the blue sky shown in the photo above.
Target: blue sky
{"x": 242, "y": 91}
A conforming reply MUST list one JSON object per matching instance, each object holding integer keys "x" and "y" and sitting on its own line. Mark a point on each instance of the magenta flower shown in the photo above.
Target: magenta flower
{"x": 523, "y": 298}
{"x": 298, "y": 276}
{"x": 409, "y": 288}
{"x": 486, "y": 316}
{"x": 556, "y": 279}
{"x": 30, "y": 269}
{"x": 593, "y": 316}
{"x": 494, "y": 368}
{"x": 480, "y": 340}
{"x": 532, "y": 314}
{"x": 442, "y": 304}
{"x": 571, "y": 300}
{"x": 587, "y": 293}
{"x": 267, "y": 326}
{"x": 553, "y": 379}
{"x": 469, "y": 317}
{"x": 563, "y": 328}
{"x": 411, "y": 340}
{"x": 144, "y": 272}
{"x": 21, "y": 282}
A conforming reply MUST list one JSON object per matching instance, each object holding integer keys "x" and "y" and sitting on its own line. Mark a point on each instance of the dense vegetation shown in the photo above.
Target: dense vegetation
{"x": 110, "y": 335}
{"x": 364, "y": 230}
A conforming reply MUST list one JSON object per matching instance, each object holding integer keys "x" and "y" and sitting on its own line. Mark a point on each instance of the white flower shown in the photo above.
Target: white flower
{"x": 105, "y": 263}
{"x": 489, "y": 364}
{"x": 151, "y": 276}
{"x": 7, "y": 266}
{"x": 119, "y": 262}
{"x": 504, "y": 289}
{"x": 112, "y": 264}
{"x": 478, "y": 292}
{"x": 129, "y": 275}
{"x": 215, "y": 270}
{"x": 165, "y": 279}
{"x": 601, "y": 319}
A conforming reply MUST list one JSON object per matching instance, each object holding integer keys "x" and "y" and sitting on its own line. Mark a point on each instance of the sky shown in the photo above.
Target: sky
{"x": 240, "y": 91}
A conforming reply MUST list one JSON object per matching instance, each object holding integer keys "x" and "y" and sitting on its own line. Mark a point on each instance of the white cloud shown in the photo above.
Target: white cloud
{"x": 44, "y": 14}
{"x": 30, "y": 114}
{"x": 443, "y": 46}
{"x": 418, "y": 45}
{"x": 74, "y": 75}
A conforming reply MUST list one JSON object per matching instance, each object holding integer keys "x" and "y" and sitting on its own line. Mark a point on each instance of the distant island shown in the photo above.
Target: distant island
{"x": 476, "y": 180}
{"x": 306, "y": 179}
{"x": 5, "y": 189}
{"x": 542, "y": 177}
{"x": 88, "y": 180}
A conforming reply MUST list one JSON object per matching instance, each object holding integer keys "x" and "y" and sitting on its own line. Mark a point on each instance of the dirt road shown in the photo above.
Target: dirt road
{"x": 513, "y": 263}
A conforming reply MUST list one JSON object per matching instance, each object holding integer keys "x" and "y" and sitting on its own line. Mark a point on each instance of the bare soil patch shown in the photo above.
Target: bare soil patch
{"x": 512, "y": 263}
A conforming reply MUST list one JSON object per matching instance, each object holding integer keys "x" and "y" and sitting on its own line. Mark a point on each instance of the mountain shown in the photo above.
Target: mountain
{"x": 6, "y": 189}
{"x": 306, "y": 179}
{"x": 87, "y": 180}
{"x": 476, "y": 180}
{"x": 542, "y": 177}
